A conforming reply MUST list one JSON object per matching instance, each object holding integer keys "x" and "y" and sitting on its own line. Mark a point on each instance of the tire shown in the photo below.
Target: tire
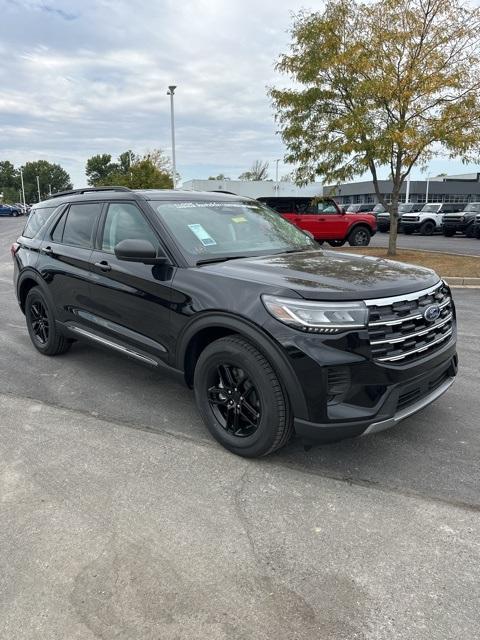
{"x": 427, "y": 228}
{"x": 448, "y": 233}
{"x": 336, "y": 243}
{"x": 359, "y": 237}
{"x": 234, "y": 364}
{"x": 15, "y": 214}
{"x": 469, "y": 231}
{"x": 41, "y": 325}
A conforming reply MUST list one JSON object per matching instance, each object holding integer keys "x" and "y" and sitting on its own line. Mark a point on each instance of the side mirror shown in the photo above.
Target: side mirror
{"x": 131, "y": 250}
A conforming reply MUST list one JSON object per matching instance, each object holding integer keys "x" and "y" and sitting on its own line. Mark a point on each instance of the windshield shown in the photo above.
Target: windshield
{"x": 378, "y": 208}
{"x": 474, "y": 206}
{"x": 430, "y": 207}
{"x": 403, "y": 208}
{"x": 234, "y": 229}
{"x": 353, "y": 208}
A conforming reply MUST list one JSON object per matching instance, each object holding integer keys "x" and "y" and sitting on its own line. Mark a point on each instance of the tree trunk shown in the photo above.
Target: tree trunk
{"x": 393, "y": 209}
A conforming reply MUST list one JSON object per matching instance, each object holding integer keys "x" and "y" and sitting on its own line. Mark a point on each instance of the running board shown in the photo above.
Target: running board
{"x": 113, "y": 345}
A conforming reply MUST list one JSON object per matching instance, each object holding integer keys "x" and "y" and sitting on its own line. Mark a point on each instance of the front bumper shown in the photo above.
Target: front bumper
{"x": 402, "y": 400}
{"x": 454, "y": 226}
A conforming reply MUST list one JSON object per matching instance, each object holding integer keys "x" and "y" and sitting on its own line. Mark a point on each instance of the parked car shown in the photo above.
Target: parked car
{"x": 378, "y": 209}
{"x": 383, "y": 219}
{"x": 9, "y": 210}
{"x": 275, "y": 335}
{"x": 323, "y": 218}
{"x": 462, "y": 221}
{"x": 430, "y": 218}
{"x": 476, "y": 227}
{"x": 361, "y": 208}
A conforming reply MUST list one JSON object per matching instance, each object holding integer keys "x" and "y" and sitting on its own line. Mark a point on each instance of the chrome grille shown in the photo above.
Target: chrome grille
{"x": 398, "y": 330}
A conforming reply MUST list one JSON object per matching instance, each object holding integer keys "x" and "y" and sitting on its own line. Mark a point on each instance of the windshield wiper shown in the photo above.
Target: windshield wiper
{"x": 218, "y": 259}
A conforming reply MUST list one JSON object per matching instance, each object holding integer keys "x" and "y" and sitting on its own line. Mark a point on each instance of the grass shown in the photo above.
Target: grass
{"x": 444, "y": 264}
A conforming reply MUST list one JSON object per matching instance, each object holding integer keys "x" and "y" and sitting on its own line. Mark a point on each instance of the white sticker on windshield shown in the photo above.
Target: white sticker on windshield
{"x": 202, "y": 234}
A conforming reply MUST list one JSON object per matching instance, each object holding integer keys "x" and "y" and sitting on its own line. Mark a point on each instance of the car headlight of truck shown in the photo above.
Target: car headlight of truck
{"x": 317, "y": 317}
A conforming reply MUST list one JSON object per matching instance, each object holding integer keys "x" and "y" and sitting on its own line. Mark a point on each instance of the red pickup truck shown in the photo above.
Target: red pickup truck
{"x": 324, "y": 219}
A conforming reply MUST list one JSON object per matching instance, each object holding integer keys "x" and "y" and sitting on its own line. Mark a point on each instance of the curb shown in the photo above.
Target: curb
{"x": 471, "y": 283}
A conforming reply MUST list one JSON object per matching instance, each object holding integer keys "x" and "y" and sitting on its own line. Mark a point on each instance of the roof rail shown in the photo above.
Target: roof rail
{"x": 60, "y": 194}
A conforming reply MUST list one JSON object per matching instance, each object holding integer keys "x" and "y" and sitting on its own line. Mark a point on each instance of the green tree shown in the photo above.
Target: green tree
{"x": 99, "y": 168}
{"x": 151, "y": 171}
{"x": 391, "y": 83}
{"x": 9, "y": 182}
{"x": 51, "y": 176}
{"x": 258, "y": 171}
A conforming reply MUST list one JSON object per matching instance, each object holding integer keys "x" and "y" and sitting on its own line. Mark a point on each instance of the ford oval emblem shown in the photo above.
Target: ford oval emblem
{"x": 432, "y": 313}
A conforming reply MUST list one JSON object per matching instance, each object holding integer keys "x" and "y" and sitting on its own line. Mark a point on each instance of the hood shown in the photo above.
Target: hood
{"x": 329, "y": 275}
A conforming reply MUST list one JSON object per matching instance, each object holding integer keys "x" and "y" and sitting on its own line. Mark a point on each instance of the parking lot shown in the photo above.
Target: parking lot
{"x": 437, "y": 242}
{"x": 121, "y": 518}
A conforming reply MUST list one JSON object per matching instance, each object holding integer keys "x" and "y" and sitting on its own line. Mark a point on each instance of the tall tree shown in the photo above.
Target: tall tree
{"x": 150, "y": 171}
{"x": 258, "y": 171}
{"x": 391, "y": 83}
{"x": 9, "y": 182}
{"x": 50, "y": 175}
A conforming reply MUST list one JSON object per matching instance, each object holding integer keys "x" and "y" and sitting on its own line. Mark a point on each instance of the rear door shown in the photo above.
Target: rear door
{"x": 131, "y": 300}
{"x": 64, "y": 259}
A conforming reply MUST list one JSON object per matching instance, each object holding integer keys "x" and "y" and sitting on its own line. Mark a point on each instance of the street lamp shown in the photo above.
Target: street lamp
{"x": 171, "y": 93}
{"x": 38, "y": 187}
{"x": 23, "y": 186}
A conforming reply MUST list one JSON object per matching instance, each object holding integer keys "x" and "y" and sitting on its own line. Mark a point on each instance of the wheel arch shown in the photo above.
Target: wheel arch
{"x": 212, "y": 326}
{"x": 27, "y": 281}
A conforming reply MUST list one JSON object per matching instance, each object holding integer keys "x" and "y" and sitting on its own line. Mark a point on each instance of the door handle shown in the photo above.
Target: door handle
{"x": 103, "y": 265}
{"x": 321, "y": 219}
{"x": 47, "y": 250}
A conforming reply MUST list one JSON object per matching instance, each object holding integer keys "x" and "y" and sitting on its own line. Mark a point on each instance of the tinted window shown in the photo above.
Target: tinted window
{"x": 79, "y": 224}
{"x": 125, "y": 221}
{"x": 212, "y": 228}
{"x": 57, "y": 233}
{"x": 37, "y": 220}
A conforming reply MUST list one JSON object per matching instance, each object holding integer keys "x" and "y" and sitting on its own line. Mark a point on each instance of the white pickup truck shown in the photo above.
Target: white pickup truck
{"x": 430, "y": 218}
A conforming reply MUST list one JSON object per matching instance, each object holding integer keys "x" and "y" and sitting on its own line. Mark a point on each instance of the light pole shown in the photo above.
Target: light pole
{"x": 38, "y": 187}
{"x": 276, "y": 175}
{"x": 426, "y": 191}
{"x": 171, "y": 93}
{"x": 407, "y": 195}
{"x": 23, "y": 186}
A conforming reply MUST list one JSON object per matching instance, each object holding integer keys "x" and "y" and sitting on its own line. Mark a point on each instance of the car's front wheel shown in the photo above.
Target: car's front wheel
{"x": 241, "y": 398}
{"x": 427, "y": 228}
{"x": 336, "y": 243}
{"x": 359, "y": 237}
{"x": 41, "y": 325}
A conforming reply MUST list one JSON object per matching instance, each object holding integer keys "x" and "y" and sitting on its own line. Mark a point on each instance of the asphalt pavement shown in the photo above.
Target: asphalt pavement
{"x": 121, "y": 518}
{"x": 437, "y": 242}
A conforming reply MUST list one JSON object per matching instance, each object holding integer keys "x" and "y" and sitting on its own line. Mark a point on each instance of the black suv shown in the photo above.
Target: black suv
{"x": 275, "y": 335}
{"x": 463, "y": 221}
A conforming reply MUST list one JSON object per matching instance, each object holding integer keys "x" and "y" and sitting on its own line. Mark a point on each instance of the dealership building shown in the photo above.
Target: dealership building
{"x": 455, "y": 188}
{"x": 255, "y": 188}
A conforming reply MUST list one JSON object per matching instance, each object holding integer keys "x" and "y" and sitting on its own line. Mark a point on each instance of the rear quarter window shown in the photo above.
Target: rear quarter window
{"x": 37, "y": 220}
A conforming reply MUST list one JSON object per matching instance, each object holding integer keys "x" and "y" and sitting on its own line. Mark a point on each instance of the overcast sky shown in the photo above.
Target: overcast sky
{"x": 80, "y": 77}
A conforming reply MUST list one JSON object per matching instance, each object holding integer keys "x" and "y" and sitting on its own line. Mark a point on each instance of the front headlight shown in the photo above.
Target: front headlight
{"x": 317, "y": 317}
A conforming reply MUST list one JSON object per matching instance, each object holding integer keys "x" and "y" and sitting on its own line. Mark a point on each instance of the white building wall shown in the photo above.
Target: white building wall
{"x": 254, "y": 188}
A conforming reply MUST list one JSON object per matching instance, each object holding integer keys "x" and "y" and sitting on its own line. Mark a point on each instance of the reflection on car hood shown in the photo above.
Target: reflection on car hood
{"x": 329, "y": 274}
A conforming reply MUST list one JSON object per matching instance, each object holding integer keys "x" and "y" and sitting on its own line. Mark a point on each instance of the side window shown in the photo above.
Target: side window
{"x": 125, "y": 221}
{"x": 79, "y": 223}
{"x": 326, "y": 207}
{"x": 37, "y": 220}
{"x": 57, "y": 233}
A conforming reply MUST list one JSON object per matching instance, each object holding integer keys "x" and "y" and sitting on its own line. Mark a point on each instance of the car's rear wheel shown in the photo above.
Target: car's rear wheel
{"x": 241, "y": 398}
{"x": 41, "y": 325}
{"x": 336, "y": 243}
{"x": 427, "y": 228}
{"x": 14, "y": 214}
{"x": 359, "y": 237}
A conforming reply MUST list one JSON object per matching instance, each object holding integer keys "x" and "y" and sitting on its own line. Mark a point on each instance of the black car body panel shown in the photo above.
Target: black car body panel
{"x": 164, "y": 314}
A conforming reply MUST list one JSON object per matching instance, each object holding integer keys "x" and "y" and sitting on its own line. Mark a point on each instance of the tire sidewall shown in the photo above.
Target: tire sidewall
{"x": 353, "y": 237}
{"x": 428, "y": 229}
{"x": 259, "y": 442}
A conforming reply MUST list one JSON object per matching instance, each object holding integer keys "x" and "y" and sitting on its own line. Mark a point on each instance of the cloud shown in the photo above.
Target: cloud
{"x": 80, "y": 77}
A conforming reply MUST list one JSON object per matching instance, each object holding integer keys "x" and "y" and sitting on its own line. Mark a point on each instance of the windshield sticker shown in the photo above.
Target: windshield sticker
{"x": 202, "y": 234}
{"x": 239, "y": 219}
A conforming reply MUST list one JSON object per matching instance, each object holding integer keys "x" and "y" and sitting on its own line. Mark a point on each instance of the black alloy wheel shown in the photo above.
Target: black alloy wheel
{"x": 39, "y": 321}
{"x": 241, "y": 398}
{"x": 427, "y": 228}
{"x": 234, "y": 400}
{"x": 41, "y": 325}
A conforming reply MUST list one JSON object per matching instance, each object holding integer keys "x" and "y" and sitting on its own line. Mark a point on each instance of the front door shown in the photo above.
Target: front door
{"x": 131, "y": 300}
